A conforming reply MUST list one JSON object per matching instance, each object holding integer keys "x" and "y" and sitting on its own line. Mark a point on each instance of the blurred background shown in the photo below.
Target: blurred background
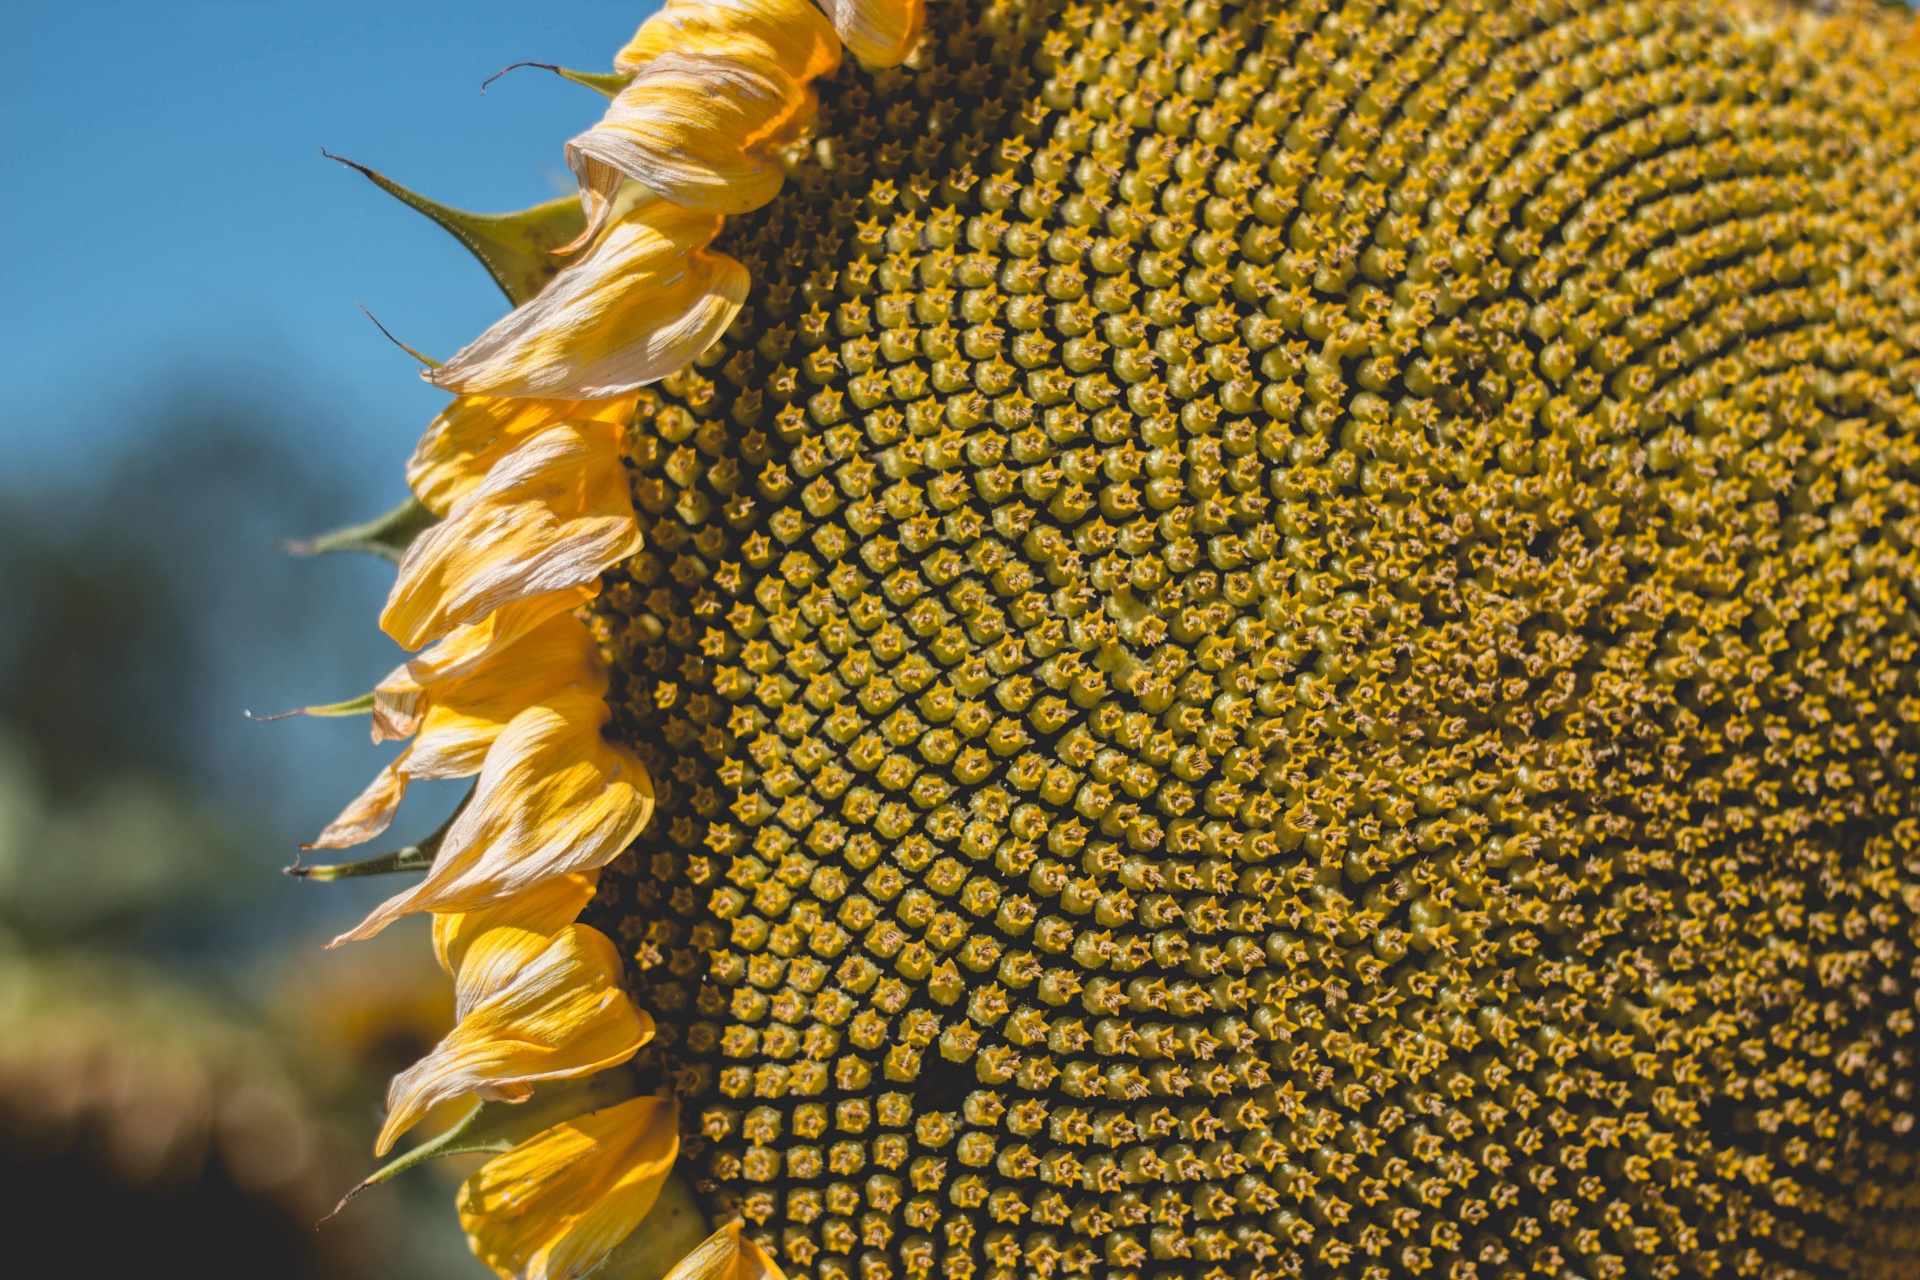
{"x": 186, "y": 1077}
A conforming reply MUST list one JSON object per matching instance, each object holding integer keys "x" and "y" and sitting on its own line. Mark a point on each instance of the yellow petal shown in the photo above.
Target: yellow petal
{"x": 880, "y": 33}
{"x": 371, "y": 811}
{"x": 474, "y": 432}
{"x": 792, "y": 35}
{"x": 545, "y": 909}
{"x": 552, "y": 514}
{"x": 468, "y": 714}
{"x": 554, "y": 797}
{"x": 699, "y": 132}
{"x": 554, "y": 1206}
{"x": 669, "y": 130}
{"x": 641, "y": 304}
{"x": 727, "y": 1255}
{"x": 559, "y": 1012}
{"x": 404, "y": 696}
{"x": 460, "y": 720}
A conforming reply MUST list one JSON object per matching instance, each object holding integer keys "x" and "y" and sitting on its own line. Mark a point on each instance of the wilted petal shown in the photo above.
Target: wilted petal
{"x": 404, "y": 696}
{"x": 554, "y": 513}
{"x": 558, "y": 1012}
{"x": 463, "y": 717}
{"x": 546, "y": 908}
{"x": 468, "y": 714}
{"x": 554, "y": 797}
{"x": 641, "y": 304}
{"x": 791, "y": 35}
{"x": 474, "y": 432}
{"x": 727, "y": 1255}
{"x": 878, "y": 32}
{"x": 670, "y": 129}
{"x": 554, "y": 1206}
{"x": 371, "y": 811}
{"x": 699, "y": 132}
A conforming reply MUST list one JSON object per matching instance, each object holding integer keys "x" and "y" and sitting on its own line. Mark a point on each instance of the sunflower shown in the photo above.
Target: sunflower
{"x": 1184, "y": 640}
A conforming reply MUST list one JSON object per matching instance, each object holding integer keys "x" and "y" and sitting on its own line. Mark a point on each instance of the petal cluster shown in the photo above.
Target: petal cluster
{"x": 524, "y": 469}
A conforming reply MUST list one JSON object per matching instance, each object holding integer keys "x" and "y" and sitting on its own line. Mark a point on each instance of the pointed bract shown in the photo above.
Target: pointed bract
{"x": 387, "y": 536}
{"x": 515, "y": 248}
{"x": 555, "y": 1205}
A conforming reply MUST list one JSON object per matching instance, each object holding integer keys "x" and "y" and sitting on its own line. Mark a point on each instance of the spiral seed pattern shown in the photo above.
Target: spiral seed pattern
{"x": 1283, "y": 644}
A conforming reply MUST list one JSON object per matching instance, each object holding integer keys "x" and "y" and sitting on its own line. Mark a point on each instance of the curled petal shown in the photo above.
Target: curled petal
{"x": 554, "y": 1206}
{"x": 642, "y": 303}
{"x": 474, "y": 432}
{"x": 559, "y": 1012}
{"x": 554, "y": 797}
{"x": 404, "y": 696}
{"x": 699, "y": 132}
{"x": 463, "y": 718}
{"x": 727, "y": 1255}
{"x": 552, "y": 514}
{"x": 545, "y": 909}
{"x": 371, "y": 811}
{"x": 790, "y": 35}
{"x": 880, "y": 33}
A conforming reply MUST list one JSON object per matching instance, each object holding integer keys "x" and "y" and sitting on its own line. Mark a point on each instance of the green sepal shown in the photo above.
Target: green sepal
{"x": 415, "y": 857}
{"x": 515, "y": 248}
{"x": 386, "y": 536}
{"x": 359, "y": 706}
{"x": 492, "y": 1128}
{"x": 607, "y": 84}
{"x": 672, "y": 1229}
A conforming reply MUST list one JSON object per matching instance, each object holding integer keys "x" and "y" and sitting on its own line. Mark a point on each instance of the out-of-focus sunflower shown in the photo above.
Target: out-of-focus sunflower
{"x": 1190, "y": 640}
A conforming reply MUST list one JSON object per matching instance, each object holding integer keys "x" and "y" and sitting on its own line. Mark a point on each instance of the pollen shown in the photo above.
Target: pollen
{"x": 1281, "y": 642}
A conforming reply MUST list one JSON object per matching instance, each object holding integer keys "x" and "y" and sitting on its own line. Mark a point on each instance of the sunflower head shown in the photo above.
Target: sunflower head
{"x": 1210, "y": 640}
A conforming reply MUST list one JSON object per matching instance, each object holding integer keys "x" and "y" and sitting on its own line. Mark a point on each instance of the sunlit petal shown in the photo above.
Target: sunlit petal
{"x": 403, "y": 697}
{"x": 474, "y": 432}
{"x": 792, "y": 35}
{"x": 552, "y": 1208}
{"x": 554, "y": 797}
{"x": 545, "y": 909}
{"x": 727, "y": 1255}
{"x": 878, "y": 32}
{"x": 558, "y": 1012}
{"x": 553, "y": 514}
{"x": 641, "y": 304}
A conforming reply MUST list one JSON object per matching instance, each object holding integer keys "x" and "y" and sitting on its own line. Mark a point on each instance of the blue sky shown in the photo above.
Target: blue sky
{"x": 167, "y": 215}
{"x": 173, "y": 235}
